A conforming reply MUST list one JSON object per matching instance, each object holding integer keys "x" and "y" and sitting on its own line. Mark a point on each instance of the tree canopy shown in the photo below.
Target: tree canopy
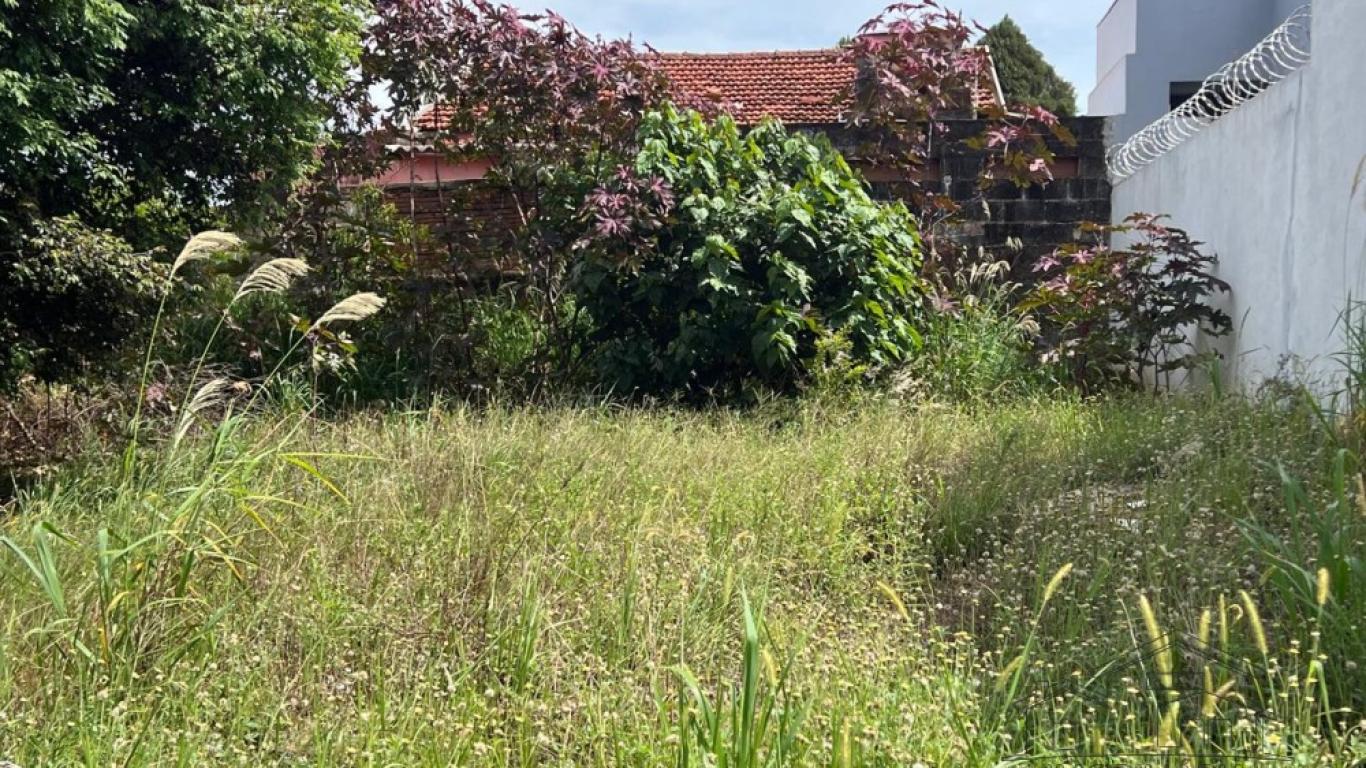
{"x": 1026, "y": 77}
{"x": 149, "y": 118}
{"x": 126, "y": 125}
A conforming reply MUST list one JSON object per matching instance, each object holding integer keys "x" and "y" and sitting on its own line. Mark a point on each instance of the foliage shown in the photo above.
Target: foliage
{"x": 1318, "y": 570}
{"x": 761, "y": 728}
{"x": 978, "y": 349}
{"x": 69, "y": 299}
{"x": 916, "y": 69}
{"x": 548, "y": 106}
{"x": 1351, "y": 401}
{"x": 557, "y": 113}
{"x": 1117, "y": 312}
{"x": 148, "y": 119}
{"x": 718, "y": 259}
{"x": 1026, "y": 77}
{"x": 128, "y": 124}
{"x": 917, "y": 72}
{"x": 365, "y": 244}
{"x": 437, "y": 334}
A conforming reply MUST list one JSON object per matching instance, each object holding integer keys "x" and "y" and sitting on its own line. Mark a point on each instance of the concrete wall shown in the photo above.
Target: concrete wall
{"x": 1174, "y": 41}
{"x": 1284, "y": 8}
{"x": 1278, "y": 189}
{"x": 1116, "y": 41}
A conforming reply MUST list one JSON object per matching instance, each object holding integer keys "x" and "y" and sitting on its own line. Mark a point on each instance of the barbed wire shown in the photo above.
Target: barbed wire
{"x": 1273, "y": 60}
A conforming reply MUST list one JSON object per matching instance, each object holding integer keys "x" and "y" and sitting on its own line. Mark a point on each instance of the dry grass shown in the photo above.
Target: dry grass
{"x": 528, "y": 587}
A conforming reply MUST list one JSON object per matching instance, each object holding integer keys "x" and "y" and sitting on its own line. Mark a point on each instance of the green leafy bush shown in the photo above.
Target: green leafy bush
{"x": 720, "y": 259}
{"x": 70, "y": 296}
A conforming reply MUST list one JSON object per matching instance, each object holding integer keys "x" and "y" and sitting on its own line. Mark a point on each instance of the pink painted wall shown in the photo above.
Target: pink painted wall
{"x": 430, "y": 168}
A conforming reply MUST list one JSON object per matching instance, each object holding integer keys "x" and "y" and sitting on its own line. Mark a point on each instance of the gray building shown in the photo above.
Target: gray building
{"x": 1151, "y": 55}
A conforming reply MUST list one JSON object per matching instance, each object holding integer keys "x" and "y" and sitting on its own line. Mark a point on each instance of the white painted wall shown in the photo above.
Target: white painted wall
{"x": 1108, "y": 97}
{"x": 1116, "y": 41}
{"x": 1278, "y": 189}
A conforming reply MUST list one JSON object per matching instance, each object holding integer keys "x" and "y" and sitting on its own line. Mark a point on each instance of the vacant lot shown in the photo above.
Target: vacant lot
{"x": 885, "y": 585}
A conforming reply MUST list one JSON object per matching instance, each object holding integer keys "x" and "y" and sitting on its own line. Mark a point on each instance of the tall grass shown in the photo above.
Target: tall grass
{"x": 982, "y": 350}
{"x": 810, "y": 585}
{"x": 518, "y": 587}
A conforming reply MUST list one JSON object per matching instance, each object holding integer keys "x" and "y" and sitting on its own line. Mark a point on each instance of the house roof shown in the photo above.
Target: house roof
{"x": 799, "y": 87}
{"x": 796, "y": 87}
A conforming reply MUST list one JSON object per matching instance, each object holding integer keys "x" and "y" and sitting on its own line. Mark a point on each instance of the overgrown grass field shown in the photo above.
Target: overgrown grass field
{"x": 1133, "y": 581}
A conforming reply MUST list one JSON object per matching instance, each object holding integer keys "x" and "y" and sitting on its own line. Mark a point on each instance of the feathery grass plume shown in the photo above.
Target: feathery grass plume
{"x": 1202, "y": 633}
{"x": 203, "y": 245}
{"x": 1162, "y": 650}
{"x": 1166, "y": 730}
{"x": 770, "y": 667}
{"x": 894, "y": 599}
{"x": 1005, "y": 675}
{"x": 200, "y": 246}
{"x": 275, "y": 276}
{"x": 1255, "y": 619}
{"x": 211, "y": 395}
{"x": 1324, "y": 587}
{"x": 1223, "y": 624}
{"x": 1361, "y": 494}
{"x": 1207, "y": 700}
{"x": 350, "y": 309}
{"x": 1056, "y": 582}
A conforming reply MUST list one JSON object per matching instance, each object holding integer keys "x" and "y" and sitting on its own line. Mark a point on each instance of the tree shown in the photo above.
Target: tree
{"x": 152, "y": 119}
{"x": 128, "y": 124}
{"x": 1026, "y": 77}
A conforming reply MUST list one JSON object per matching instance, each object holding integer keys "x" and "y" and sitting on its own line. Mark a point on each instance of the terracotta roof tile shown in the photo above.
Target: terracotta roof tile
{"x": 433, "y": 118}
{"x": 792, "y": 86}
{"x": 796, "y": 87}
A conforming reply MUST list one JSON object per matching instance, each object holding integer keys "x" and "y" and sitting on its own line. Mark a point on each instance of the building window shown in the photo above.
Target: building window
{"x": 1183, "y": 92}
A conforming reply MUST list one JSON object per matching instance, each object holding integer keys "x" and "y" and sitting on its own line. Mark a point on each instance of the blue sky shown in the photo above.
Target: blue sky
{"x": 1065, "y": 30}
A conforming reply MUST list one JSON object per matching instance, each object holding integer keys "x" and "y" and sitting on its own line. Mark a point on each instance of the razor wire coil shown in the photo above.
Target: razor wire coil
{"x": 1280, "y": 55}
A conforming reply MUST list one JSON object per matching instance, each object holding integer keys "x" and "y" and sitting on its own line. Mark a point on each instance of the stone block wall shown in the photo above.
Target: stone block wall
{"x": 1038, "y": 218}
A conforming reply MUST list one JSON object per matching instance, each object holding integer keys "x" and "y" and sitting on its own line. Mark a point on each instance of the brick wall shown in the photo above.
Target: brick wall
{"x": 465, "y": 220}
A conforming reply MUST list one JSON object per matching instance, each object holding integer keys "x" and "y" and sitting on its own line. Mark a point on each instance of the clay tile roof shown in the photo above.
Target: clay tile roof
{"x": 433, "y": 118}
{"x": 798, "y": 87}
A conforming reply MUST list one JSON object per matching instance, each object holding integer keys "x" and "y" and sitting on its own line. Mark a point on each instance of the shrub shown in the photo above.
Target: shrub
{"x": 543, "y": 103}
{"x": 1112, "y": 314}
{"x": 719, "y": 259}
{"x": 69, "y": 297}
{"x": 354, "y": 239}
